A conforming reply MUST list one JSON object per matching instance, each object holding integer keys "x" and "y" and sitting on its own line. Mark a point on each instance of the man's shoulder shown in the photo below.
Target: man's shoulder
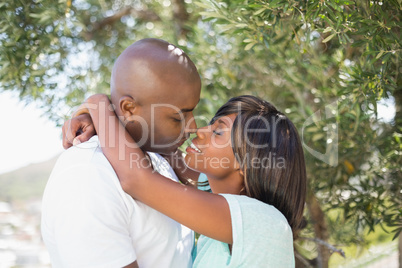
{"x": 83, "y": 169}
{"x": 85, "y": 156}
{"x": 85, "y": 149}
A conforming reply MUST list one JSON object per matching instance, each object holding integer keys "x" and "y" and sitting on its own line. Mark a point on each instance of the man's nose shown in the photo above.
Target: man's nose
{"x": 191, "y": 125}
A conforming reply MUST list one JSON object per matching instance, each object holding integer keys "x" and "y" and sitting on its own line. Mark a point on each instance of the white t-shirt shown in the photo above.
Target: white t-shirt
{"x": 89, "y": 221}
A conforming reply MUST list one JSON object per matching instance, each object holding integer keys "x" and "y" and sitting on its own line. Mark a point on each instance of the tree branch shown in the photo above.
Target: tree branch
{"x": 327, "y": 245}
{"x": 181, "y": 16}
{"x": 140, "y": 14}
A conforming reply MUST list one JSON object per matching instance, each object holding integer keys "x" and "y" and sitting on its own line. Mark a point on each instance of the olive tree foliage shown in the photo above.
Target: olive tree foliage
{"x": 58, "y": 52}
{"x": 339, "y": 58}
{"x": 326, "y": 64}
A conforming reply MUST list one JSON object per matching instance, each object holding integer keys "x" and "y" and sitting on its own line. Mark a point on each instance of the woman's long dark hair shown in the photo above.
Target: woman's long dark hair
{"x": 268, "y": 148}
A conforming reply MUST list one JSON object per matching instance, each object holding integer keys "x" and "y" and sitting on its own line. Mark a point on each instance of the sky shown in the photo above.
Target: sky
{"x": 27, "y": 136}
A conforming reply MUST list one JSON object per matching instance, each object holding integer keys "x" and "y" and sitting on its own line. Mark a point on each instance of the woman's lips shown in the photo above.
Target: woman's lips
{"x": 193, "y": 148}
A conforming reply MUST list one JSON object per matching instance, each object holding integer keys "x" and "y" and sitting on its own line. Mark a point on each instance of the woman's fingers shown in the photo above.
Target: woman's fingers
{"x": 69, "y": 133}
{"x": 85, "y": 135}
{"x": 76, "y": 130}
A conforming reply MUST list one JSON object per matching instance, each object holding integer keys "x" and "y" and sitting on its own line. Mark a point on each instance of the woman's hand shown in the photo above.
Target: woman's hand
{"x": 78, "y": 129}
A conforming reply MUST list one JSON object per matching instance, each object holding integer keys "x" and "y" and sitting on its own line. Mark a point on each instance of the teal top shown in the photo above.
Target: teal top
{"x": 262, "y": 237}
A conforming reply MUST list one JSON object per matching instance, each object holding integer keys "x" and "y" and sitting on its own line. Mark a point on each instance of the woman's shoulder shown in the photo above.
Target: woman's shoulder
{"x": 253, "y": 209}
{"x": 249, "y": 202}
{"x": 261, "y": 233}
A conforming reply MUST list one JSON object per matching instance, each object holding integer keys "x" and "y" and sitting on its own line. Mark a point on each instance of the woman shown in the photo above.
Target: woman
{"x": 253, "y": 158}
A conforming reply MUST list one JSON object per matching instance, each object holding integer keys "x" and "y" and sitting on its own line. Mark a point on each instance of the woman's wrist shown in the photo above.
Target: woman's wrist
{"x": 90, "y": 103}
{"x": 93, "y": 101}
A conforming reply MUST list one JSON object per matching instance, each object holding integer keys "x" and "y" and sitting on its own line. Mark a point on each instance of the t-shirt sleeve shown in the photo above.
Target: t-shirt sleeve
{"x": 261, "y": 234}
{"x": 237, "y": 230}
{"x": 90, "y": 219}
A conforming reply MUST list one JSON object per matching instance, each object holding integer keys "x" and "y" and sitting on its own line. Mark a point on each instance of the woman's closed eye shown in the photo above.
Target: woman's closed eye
{"x": 217, "y": 132}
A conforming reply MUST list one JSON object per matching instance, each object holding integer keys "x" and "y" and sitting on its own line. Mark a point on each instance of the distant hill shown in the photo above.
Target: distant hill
{"x": 25, "y": 183}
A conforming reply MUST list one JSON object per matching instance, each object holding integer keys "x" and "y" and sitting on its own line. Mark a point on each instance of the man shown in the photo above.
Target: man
{"x": 87, "y": 219}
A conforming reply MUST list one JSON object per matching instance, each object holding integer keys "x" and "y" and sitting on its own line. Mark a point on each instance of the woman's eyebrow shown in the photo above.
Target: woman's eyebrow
{"x": 220, "y": 121}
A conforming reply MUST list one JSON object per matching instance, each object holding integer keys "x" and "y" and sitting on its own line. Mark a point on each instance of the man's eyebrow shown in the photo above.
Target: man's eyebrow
{"x": 186, "y": 110}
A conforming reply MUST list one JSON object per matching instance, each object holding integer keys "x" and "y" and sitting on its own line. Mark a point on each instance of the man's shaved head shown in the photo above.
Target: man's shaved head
{"x": 155, "y": 86}
{"x": 141, "y": 68}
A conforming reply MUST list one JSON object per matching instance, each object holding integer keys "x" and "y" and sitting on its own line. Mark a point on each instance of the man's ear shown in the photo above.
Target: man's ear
{"x": 128, "y": 107}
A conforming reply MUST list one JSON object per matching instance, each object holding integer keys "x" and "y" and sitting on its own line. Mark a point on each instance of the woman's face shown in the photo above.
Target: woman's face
{"x": 211, "y": 153}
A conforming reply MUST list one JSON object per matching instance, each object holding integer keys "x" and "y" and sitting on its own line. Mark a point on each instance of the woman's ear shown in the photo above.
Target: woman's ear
{"x": 243, "y": 183}
{"x": 128, "y": 107}
{"x": 238, "y": 167}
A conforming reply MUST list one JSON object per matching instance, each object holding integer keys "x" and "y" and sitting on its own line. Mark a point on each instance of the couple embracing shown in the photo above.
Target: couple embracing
{"x": 124, "y": 196}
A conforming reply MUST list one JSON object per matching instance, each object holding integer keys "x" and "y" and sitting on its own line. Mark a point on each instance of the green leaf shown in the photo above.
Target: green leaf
{"x": 203, "y": 5}
{"x": 225, "y": 27}
{"x": 379, "y": 54}
{"x": 241, "y": 25}
{"x": 329, "y": 38}
{"x": 35, "y": 16}
{"x": 386, "y": 57}
{"x": 318, "y": 136}
{"x": 397, "y": 232}
{"x": 258, "y": 12}
{"x": 212, "y": 15}
{"x": 249, "y": 46}
{"x": 4, "y": 29}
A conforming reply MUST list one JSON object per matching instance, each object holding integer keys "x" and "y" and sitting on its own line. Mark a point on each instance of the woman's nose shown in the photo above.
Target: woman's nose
{"x": 202, "y": 131}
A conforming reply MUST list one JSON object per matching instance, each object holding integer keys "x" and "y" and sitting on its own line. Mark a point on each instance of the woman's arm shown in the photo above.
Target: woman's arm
{"x": 205, "y": 213}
